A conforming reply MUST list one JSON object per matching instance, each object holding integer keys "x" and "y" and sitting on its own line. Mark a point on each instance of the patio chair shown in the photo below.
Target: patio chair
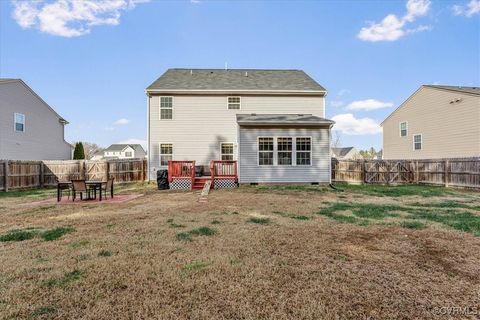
{"x": 64, "y": 187}
{"x": 79, "y": 186}
{"x": 109, "y": 187}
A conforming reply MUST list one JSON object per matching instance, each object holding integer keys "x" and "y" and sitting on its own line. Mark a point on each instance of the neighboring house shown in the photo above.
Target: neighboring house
{"x": 379, "y": 155}
{"x": 348, "y": 153}
{"x": 435, "y": 122}
{"x": 29, "y": 128}
{"x": 97, "y": 156}
{"x": 122, "y": 151}
{"x": 272, "y": 122}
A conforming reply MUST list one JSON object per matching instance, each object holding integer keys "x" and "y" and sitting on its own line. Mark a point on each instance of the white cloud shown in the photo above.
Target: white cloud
{"x": 392, "y": 28}
{"x": 349, "y": 125}
{"x": 109, "y": 128}
{"x": 336, "y": 103}
{"x": 69, "y": 18}
{"x": 121, "y": 122}
{"x": 472, "y": 8}
{"x": 368, "y": 105}
{"x": 135, "y": 141}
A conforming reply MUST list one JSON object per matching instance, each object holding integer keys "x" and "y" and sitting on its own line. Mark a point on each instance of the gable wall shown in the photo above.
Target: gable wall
{"x": 448, "y": 130}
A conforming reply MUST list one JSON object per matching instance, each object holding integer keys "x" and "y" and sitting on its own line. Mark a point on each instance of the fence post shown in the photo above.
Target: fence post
{"x": 108, "y": 170}
{"x": 42, "y": 175}
{"x": 5, "y": 172}
{"x": 364, "y": 173}
{"x": 416, "y": 173}
{"x": 446, "y": 173}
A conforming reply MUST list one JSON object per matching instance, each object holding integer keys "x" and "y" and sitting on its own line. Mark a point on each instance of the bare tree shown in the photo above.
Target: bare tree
{"x": 90, "y": 149}
{"x": 336, "y": 141}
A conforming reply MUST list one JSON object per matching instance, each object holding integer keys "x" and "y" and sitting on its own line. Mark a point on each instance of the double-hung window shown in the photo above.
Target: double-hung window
{"x": 19, "y": 120}
{"x": 403, "y": 129}
{"x": 166, "y": 153}
{"x": 166, "y": 108}
{"x": 303, "y": 151}
{"x": 265, "y": 151}
{"x": 284, "y": 151}
{"x": 417, "y": 142}
{"x": 227, "y": 151}
{"x": 128, "y": 154}
{"x": 233, "y": 103}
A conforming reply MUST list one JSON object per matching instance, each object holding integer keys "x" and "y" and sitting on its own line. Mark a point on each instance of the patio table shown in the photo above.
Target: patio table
{"x": 61, "y": 185}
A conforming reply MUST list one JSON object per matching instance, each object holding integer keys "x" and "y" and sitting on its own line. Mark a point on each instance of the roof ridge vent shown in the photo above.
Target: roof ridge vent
{"x": 253, "y": 114}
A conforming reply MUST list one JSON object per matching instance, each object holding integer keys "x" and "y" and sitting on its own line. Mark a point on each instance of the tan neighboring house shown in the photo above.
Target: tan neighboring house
{"x": 121, "y": 151}
{"x": 346, "y": 153}
{"x": 270, "y": 122}
{"x": 29, "y": 128}
{"x": 435, "y": 122}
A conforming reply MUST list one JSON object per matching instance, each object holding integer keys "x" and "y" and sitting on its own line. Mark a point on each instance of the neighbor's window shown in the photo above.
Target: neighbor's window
{"x": 227, "y": 151}
{"x": 403, "y": 129}
{"x": 417, "y": 142}
{"x": 128, "y": 154}
{"x": 284, "y": 151}
{"x": 19, "y": 122}
{"x": 304, "y": 151}
{"x": 166, "y": 108}
{"x": 265, "y": 151}
{"x": 233, "y": 103}
{"x": 166, "y": 153}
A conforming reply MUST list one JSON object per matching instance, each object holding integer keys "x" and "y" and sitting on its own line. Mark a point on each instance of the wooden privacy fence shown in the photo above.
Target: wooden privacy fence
{"x": 33, "y": 174}
{"x": 447, "y": 172}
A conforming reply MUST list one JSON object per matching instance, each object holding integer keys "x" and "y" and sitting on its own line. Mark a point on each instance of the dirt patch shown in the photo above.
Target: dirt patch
{"x": 127, "y": 259}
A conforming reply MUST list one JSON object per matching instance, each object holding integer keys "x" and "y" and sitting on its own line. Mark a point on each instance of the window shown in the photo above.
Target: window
{"x": 19, "y": 122}
{"x": 166, "y": 153}
{"x": 284, "y": 151}
{"x": 403, "y": 129}
{"x": 128, "y": 154}
{"x": 166, "y": 108}
{"x": 304, "y": 151}
{"x": 227, "y": 151}
{"x": 417, "y": 142}
{"x": 265, "y": 151}
{"x": 233, "y": 103}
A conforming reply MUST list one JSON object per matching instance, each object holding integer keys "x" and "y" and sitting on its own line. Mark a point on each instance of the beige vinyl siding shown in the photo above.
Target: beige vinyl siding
{"x": 43, "y": 138}
{"x": 201, "y": 123}
{"x": 448, "y": 130}
{"x": 251, "y": 172}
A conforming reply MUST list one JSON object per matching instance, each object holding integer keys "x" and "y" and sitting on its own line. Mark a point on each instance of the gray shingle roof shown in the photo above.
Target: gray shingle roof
{"x": 341, "y": 152}
{"x": 474, "y": 90}
{"x": 120, "y": 147}
{"x": 283, "y": 119}
{"x": 235, "y": 80}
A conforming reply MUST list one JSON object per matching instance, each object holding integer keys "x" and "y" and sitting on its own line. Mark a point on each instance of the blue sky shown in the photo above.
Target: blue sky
{"x": 91, "y": 60}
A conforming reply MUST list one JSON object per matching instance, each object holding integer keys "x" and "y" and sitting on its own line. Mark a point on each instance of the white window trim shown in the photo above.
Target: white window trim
{"x": 294, "y": 152}
{"x": 274, "y": 152}
{"x": 160, "y": 108}
{"x": 15, "y": 121}
{"x": 421, "y": 141}
{"x": 400, "y": 129}
{"x": 233, "y": 150}
{"x": 311, "y": 152}
{"x": 160, "y": 153}
{"x": 240, "y": 102}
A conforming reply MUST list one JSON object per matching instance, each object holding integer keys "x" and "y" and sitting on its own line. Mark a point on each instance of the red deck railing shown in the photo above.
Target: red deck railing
{"x": 223, "y": 169}
{"x": 181, "y": 169}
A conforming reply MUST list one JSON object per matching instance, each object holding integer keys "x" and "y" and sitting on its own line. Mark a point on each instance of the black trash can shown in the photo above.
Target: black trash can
{"x": 199, "y": 170}
{"x": 162, "y": 179}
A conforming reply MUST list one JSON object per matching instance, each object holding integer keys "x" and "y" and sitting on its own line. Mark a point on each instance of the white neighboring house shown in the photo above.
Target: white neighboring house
{"x": 347, "y": 153}
{"x": 271, "y": 122}
{"x": 29, "y": 128}
{"x": 122, "y": 151}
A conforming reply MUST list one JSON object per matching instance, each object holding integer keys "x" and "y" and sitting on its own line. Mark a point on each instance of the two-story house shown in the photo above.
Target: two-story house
{"x": 434, "y": 122}
{"x": 124, "y": 151}
{"x": 29, "y": 128}
{"x": 271, "y": 123}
